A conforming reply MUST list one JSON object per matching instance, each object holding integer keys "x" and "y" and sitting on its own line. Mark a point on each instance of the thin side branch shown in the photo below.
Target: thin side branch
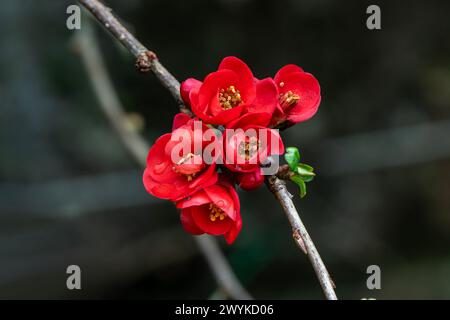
{"x": 138, "y": 148}
{"x": 220, "y": 268}
{"x": 146, "y": 57}
{"x": 107, "y": 97}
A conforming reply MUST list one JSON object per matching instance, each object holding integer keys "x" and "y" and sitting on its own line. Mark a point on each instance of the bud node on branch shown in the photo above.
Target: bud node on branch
{"x": 144, "y": 61}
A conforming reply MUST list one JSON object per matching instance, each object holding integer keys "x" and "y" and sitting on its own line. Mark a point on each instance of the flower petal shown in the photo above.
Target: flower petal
{"x": 221, "y": 197}
{"x": 214, "y": 82}
{"x": 286, "y": 70}
{"x": 251, "y": 120}
{"x": 197, "y": 199}
{"x": 179, "y": 120}
{"x": 158, "y": 164}
{"x": 200, "y": 215}
{"x": 188, "y": 223}
{"x": 186, "y": 87}
{"x": 207, "y": 178}
{"x": 251, "y": 180}
{"x": 245, "y": 75}
{"x": 275, "y": 144}
{"x": 167, "y": 191}
{"x": 308, "y": 88}
{"x": 232, "y": 234}
{"x": 266, "y": 97}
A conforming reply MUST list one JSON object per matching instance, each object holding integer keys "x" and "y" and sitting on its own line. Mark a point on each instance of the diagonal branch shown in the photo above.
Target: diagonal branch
{"x": 138, "y": 148}
{"x": 301, "y": 235}
{"x": 147, "y": 61}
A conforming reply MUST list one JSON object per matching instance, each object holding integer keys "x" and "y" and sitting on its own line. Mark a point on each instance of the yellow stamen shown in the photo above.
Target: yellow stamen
{"x": 216, "y": 212}
{"x": 229, "y": 98}
{"x": 185, "y": 158}
{"x": 288, "y": 99}
{"x": 248, "y": 149}
{"x": 191, "y": 176}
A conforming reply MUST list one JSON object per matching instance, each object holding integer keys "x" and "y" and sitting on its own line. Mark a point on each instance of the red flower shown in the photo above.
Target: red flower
{"x": 166, "y": 178}
{"x": 245, "y": 110}
{"x": 298, "y": 95}
{"x": 188, "y": 87}
{"x": 213, "y": 210}
{"x": 266, "y": 99}
{"x": 250, "y": 142}
{"x": 251, "y": 180}
{"x": 223, "y": 95}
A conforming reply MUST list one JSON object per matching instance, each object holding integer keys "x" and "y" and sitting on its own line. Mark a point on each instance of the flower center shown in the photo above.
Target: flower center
{"x": 185, "y": 158}
{"x": 288, "y": 99}
{"x": 216, "y": 213}
{"x": 229, "y": 98}
{"x": 249, "y": 148}
{"x": 191, "y": 176}
{"x": 188, "y": 170}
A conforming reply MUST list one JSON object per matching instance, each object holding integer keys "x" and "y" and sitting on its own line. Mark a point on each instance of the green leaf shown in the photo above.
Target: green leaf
{"x": 292, "y": 157}
{"x": 305, "y": 172}
{"x": 302, "y": 172}
{"x": 301, "y": 184}
{"x": 306, "y": 167}
{"x": 307, "y": 178}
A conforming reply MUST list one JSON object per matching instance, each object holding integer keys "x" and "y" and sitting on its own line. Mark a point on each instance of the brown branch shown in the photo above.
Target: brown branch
{"x": 301, "y": 235}
{"x": 284, "y": 172}
{"x": 146, "y": 60}
{"x": 138, "y": 148}
{"x": 104, "y": 15}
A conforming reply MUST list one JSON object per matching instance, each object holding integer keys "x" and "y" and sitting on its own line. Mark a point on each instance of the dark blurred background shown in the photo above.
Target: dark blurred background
{"x": 380, "y": 143}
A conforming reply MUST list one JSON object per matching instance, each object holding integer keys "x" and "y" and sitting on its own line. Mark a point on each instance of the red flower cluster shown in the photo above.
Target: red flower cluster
{"x": 198, "y": 163}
